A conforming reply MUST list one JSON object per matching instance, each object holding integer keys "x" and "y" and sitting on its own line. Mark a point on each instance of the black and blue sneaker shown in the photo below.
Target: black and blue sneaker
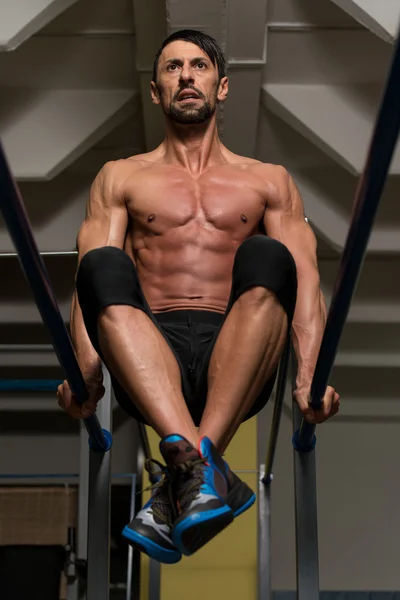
{"x": 201, "y": 490}
{"x": 150, "y": 530}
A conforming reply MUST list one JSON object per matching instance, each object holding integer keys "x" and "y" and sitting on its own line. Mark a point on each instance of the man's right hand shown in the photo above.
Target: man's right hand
{"x": 67, "y": 401}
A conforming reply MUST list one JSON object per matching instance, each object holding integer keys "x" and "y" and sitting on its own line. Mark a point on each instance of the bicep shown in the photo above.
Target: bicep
{"x": 106, "y": 217}
{"x": 284, "y": 220}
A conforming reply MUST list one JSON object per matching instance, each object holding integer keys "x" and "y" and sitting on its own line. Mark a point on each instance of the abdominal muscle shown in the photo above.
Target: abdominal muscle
{"x": 186, "y": 274}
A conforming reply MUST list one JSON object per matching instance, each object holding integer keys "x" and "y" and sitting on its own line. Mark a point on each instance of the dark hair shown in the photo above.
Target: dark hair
{"x": 200, "y": 39}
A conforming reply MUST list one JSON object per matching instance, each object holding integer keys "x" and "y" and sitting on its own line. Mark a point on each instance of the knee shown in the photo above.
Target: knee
{"x": 260, "y": 252}
{"x": 262, "y": 262}
{"x": 103, "y": 273}
{"x": 99, "y": 258}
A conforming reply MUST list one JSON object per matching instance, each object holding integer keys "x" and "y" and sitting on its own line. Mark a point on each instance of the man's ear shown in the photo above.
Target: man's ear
{"x": 223, "y": 89}
{"x": 155, "y": 93}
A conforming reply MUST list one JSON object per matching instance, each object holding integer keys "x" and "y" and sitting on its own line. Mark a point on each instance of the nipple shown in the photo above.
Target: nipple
{"x": 244, "y": 218}
{"x": 151, "y": 217}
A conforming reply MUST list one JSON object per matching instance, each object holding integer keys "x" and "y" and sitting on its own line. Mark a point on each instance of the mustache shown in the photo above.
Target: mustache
{"x": 188, "y": 87}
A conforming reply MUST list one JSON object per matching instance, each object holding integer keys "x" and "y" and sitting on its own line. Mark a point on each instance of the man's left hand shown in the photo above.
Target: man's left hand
{"x": 329, "y": 407}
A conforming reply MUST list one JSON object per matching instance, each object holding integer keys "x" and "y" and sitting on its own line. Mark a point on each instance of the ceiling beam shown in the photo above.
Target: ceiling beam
{"x": 382, "y": 18}
{"x": 75, "y": 120}
{"x": 20, "y": 19}
{"x": 339, "y": 119}
{"x": 151, "y": 29}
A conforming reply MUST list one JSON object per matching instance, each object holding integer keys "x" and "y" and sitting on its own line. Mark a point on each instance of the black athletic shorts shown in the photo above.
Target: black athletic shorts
{"x": 107, "y": 276}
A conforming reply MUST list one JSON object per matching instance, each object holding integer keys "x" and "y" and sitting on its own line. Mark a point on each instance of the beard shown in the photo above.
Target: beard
{"x": 186, "y": 115}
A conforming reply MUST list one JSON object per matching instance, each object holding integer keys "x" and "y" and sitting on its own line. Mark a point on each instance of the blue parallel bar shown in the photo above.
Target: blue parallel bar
{"x": 29, "y": 385}
{"x": 367, "y": 199}
{"x": 18, "y": 225}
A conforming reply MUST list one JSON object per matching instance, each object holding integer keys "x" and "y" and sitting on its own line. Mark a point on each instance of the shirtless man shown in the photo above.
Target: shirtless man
{"x": 194, "y": 265}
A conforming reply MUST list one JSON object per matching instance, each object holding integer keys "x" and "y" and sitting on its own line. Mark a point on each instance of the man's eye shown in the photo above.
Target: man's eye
{"x": 172, "y": 67}
{"x": 201, "y": 64}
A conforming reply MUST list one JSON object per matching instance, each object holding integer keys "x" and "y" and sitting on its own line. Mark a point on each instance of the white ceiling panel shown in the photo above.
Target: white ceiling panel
{"x": 382, "y": 18}
{"x": 311, "y": 12}
{"x": 44, "y": 133}
{"x": 56, "y": 210}
{"x": 71, "y": 63}
{"x": 20, "y": 19}
{"x": 97, "y": 16}
{"x": 278, "y": 143}
{"x": 326, "y": 57}
{"x": 338, "y": 119}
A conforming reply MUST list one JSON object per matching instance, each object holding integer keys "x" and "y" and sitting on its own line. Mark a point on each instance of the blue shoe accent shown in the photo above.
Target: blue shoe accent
{"x": 171, "y": 439}
{"x": 215, "y": 463}
{"x": 201, "y": 488}
{"x": 245, "y": 506}
{"x": 162, "y": 555}
{"x": 199, "y": 528}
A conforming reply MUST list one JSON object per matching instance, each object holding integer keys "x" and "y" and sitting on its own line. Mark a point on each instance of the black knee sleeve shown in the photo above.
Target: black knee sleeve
{"x": 106, "y": 276}
{"x": 263, "y": 261}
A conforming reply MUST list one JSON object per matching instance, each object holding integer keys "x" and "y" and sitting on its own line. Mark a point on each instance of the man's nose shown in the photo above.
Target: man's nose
{"x": 187, "y": 73}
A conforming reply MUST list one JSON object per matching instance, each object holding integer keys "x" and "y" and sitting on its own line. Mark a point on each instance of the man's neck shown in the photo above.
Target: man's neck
{"x": 195, "y": 147}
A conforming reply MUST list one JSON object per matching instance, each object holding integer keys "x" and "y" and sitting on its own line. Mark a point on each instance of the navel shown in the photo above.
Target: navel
{"x": 151, "y": 217}
{"x": 244, "y": 218}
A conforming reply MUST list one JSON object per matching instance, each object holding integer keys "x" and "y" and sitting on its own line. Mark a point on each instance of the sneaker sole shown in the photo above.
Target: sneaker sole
{"x": 144, "y": 544}
{"x": 195, "y": 531}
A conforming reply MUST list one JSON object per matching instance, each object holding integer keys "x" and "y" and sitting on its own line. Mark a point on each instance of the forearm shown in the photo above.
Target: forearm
{"x": 87, "y": 357}
{"x": 307, "y": 331}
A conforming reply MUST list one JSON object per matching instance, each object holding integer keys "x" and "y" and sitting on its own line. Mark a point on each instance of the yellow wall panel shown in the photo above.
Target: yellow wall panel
{"x": 227, "y": 566}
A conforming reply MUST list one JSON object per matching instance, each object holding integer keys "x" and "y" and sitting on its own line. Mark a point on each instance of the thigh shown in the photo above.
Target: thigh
{"x": 263, "y": 397}
{"x": 177, "y": 339}
{"x": 200, "y": 396}
{"x": 176, "y": 336}
{"x": 125, "y": 401}
{"x": 259, "y": 261}
{"x": 107, "y": 276}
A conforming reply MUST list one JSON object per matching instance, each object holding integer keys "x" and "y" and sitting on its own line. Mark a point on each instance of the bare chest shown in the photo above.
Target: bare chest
{"x": 166, "y": 201}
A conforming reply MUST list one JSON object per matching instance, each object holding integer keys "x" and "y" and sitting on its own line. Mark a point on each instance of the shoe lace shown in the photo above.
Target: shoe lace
{"x": 190, "y": 478}
{"x": 163, "y": 505}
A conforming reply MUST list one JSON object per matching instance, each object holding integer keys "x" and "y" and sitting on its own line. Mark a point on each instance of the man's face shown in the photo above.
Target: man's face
{"x": 188, "y": 86}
